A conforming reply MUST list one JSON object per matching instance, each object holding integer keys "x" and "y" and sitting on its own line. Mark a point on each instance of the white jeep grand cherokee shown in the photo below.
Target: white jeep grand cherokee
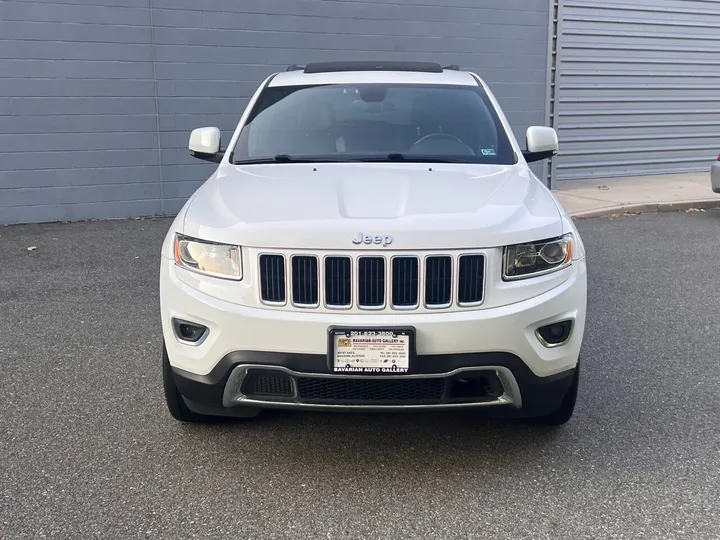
{"x": 372, "y": 239}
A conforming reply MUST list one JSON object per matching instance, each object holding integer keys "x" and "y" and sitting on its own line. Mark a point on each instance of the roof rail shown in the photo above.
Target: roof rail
{"x": 294, "y": 68}
{"x": 328, "y": 67}
{"x": 453, "y": 67}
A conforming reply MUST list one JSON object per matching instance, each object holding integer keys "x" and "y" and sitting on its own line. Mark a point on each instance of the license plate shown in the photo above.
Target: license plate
{"x": 370, "y": 351}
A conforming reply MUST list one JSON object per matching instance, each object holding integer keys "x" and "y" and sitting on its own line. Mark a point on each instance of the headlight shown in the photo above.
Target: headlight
{"x": 537, "y": 258}
{"x": 217, "y": 260}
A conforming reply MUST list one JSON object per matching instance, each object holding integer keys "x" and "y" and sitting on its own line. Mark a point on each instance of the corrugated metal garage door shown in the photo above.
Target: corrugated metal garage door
{"x": 637, "y": 87}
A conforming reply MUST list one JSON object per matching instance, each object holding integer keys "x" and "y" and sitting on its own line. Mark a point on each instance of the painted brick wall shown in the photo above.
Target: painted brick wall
{"x": 97, "y": 97}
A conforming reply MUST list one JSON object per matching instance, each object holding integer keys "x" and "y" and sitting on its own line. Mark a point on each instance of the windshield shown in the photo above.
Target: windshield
{"x": 374, "y": 122}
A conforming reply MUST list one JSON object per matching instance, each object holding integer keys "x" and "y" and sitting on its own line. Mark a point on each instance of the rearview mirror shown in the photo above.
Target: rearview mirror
{"x": 542, "y": 143}
{"x": 205, "y": 144}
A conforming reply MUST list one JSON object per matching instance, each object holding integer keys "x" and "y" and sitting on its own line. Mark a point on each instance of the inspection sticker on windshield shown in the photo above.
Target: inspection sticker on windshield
{"x": 488, "y": 152}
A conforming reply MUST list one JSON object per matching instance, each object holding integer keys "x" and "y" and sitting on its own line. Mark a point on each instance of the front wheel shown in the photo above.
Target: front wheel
{"x": 180, "y": 411}
{"x": 175, "y": 404}
{"x": 564, "y": 412}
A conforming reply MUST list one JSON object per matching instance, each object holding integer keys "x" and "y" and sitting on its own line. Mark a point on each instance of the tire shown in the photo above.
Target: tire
{"x": 175, "y": 404}
{"x": 180, "y": 411}
{"x": 565, "y": 411}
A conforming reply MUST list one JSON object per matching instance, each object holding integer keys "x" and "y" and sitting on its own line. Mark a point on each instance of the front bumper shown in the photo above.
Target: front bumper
{"x": 510, "y": 388}
{"x": 498, "y": 346}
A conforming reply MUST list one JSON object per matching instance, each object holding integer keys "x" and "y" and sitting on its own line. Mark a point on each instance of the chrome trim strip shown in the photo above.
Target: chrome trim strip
{"x": 320, "y": 280}
{"x": 232, "y": 395}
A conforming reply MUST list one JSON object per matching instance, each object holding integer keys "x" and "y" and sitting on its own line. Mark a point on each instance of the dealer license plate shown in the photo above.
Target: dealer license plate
{"x": 370, "y": 351}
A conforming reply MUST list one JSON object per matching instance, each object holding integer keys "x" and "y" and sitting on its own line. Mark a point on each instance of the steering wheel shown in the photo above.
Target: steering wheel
{"x": 443, "y": 137}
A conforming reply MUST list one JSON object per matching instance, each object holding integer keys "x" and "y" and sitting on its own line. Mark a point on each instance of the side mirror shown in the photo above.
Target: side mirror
{"x": 542, "y": 143}
{"x": 205, "y": 144}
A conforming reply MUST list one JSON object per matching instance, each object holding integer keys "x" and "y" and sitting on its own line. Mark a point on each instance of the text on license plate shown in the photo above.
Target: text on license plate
{"x": 370, "y": 351}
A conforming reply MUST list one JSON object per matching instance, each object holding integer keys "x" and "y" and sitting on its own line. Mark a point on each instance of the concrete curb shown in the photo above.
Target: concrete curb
{"x": 647, "y": 208}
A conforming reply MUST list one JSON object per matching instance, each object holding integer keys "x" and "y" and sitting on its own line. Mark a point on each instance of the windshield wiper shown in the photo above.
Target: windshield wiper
{"x": 280, "y": 158}
{"x": 412, "y": 159}
{"x": 287, "y": 158}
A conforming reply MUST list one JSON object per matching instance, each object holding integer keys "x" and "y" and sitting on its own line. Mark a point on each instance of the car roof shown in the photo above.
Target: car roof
{"x": 373, "y": 72}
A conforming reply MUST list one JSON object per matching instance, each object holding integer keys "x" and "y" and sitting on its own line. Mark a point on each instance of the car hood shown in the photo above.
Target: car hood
{"x": 324, "y": 206}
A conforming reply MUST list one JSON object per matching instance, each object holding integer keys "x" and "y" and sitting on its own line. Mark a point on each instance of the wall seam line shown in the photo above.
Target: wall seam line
{"x": 157, "y": 107}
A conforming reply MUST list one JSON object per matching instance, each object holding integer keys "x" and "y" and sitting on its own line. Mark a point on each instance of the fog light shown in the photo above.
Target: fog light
{"x": 189, "y": 332}
{"x": 555, "y": 334}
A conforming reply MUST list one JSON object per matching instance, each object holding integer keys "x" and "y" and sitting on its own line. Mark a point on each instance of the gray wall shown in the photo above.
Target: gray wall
{"x": 97, "y": 97}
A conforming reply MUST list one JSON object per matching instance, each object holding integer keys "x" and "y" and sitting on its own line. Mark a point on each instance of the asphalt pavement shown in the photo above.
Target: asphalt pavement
{"x": 87, "y": 449}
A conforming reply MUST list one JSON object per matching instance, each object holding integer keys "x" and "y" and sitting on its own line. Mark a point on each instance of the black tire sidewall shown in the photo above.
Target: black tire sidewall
{"x": 173, "y": 399}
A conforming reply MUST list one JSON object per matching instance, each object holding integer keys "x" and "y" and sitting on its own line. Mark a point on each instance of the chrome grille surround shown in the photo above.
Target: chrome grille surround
{"x": 338, "y": 279}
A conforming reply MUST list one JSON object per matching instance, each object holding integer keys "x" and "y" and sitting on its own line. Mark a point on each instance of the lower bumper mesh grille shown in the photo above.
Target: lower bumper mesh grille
{"x": 263, "y": 384}
{"x": 357, "y": 390}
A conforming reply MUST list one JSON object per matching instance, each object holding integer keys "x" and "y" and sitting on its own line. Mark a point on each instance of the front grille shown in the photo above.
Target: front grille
{"x": 359, "y": 390}
{"x": 373, "y": 282}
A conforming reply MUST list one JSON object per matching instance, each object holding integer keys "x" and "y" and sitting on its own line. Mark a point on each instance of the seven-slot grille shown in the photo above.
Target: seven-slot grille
{"x": 373, "y": 282}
